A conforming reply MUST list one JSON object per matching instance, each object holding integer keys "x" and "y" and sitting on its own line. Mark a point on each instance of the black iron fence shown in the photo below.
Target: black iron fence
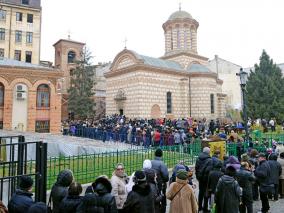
{"x": 15, "y": 156}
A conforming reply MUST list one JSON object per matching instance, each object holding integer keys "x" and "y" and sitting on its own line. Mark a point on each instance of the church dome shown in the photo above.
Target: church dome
{"x": 180, "y": 15}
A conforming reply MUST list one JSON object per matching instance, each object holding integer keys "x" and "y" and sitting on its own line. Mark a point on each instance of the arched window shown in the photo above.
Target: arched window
{"x": 169, "y": 102}
{"x": 43, "y": 96}
{"x": 1, "y": 95}
{"x": 71, "y": 56}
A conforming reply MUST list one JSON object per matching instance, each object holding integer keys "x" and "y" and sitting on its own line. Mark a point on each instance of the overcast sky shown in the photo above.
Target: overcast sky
{"x": 236, "y": 30}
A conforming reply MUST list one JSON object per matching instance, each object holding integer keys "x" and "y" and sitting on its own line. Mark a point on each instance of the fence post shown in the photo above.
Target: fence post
{"x": 20, "y": 157}
{"x": 41, "y": 172}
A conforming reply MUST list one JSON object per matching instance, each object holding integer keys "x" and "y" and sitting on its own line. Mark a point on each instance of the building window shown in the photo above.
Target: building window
{"x": 2, "y": 52}
{"x": 26, "y": 2}
{"x": 2, "y": 14}
{"x": 71, "y": 57}
{"x": 42, "y": 126}
{"x": 18, "y": 55}
{"x": 28, "y": 56}
{"x": 191, "y": 38}
{"x": 2, "y": 33}
{"x": 43, "y": 96}
{"x": 19, "y": 16}
{"x": 185, "y": 39}
{"x": 18, "y": 36}
{"x": 178, "y": 39}
{"x": 30, "y": 18}
{"x": 1, "y": 95}
{"x": 29, "y": 39}
{"x": 212, "y": 103}
{"x": 169, "y": 102}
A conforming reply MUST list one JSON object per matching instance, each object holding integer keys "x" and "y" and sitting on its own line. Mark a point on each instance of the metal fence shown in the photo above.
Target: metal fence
{"x": 86, "y": 168}
{"x": 16, "y": 156}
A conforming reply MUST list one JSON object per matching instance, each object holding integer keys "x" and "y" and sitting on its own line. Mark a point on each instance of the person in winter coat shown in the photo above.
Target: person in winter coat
{"x": 3, "y": 208}
{"x": 181, "y": 195}
{"x": 60, "y": 189}
{"x": 203, "y": 166}
{"x": 234, "y": 162}
{"x": 22, "y": 200}
{"x": 162, "y": 173}
{"x": 213, "y": 179}
{"x": 151, "y": 180}
{"x": 73, "y": 199}
{"x": 281, "y": 178}
{"x": 118, "y": 183}
{"x": 246, "y": 178}
{"x": 140, "y": 199}
{"x": 275, "y": 171}
{"x": 263, "y": 175}
{"x": 38, "y": 207}
{"x": 228, "y": 192}
{"x": 254, "y": 164}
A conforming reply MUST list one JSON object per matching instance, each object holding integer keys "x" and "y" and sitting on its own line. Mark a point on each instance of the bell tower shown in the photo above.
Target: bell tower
{"x": 180, "y": 33}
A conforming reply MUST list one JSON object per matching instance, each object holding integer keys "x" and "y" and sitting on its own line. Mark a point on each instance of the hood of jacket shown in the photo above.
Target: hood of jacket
{"x": 203, "y": 156}
{"x": 64, "y": 178}
{"x": 141, "y": 190}
{"x": 227, "y": 179}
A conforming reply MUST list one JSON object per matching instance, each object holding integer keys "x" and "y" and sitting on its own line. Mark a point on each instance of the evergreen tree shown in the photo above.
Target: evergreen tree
{"x": 80, "y": 100}
{"x": 265, "y": 91}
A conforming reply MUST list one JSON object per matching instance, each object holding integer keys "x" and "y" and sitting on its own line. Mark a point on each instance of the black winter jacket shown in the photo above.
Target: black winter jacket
{"x": 263, "y": 175}
{"x": 227, "y": 196}
{"x": 98, "y": 198}
{"x": 70, "y": 204}
{"x": 139, "y": 200}
{"x": 60, "y": 189}
{"x": 275, "y": 170}
{"x": 203, "y": 166}
{"x": 213, "y": 179}
{"x": 20, "y": 202}
{"x": 246, "y": 179}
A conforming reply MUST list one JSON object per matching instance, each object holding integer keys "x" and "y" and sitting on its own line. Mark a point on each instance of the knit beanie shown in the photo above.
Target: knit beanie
{"x": 159, "y": 153}
{"x": 147, "y": 164}
{"x": 182, "y": 174}
{"x": 26, "y": 182}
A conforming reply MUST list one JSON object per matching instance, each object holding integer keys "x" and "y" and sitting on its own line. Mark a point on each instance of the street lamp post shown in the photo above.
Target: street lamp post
{"x": 243, "y": 81}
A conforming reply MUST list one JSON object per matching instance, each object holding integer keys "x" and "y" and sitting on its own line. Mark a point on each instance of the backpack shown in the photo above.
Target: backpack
{"x": 204, "y": 169}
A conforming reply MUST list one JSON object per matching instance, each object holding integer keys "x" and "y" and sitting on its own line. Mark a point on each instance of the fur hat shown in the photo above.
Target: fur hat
{"x": 139, "y": 176}
{"x": 26, "y": 182}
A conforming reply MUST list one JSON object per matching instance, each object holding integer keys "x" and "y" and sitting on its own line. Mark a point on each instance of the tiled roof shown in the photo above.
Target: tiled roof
{"x": 156, "y": 62}
{"x": 15, "y": 63}
{"x": 198, "y": 68}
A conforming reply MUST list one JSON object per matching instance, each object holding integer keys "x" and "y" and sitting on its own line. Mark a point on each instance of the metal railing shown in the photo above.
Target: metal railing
{"x": 15, "y": 161}
{"x": 86, "y": 168}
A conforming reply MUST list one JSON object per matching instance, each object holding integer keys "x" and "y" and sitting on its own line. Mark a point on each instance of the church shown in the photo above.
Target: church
{"x": 176, "y": 85}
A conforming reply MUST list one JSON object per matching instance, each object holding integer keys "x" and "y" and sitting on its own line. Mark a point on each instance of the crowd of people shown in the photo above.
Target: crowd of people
{"x": 153, "y": 132}
{"x": 225, "y": 186}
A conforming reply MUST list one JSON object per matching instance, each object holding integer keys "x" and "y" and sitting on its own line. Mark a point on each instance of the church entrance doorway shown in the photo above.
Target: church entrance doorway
{"x": 120, "y": 111}
{"x": 155, "y": 111}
